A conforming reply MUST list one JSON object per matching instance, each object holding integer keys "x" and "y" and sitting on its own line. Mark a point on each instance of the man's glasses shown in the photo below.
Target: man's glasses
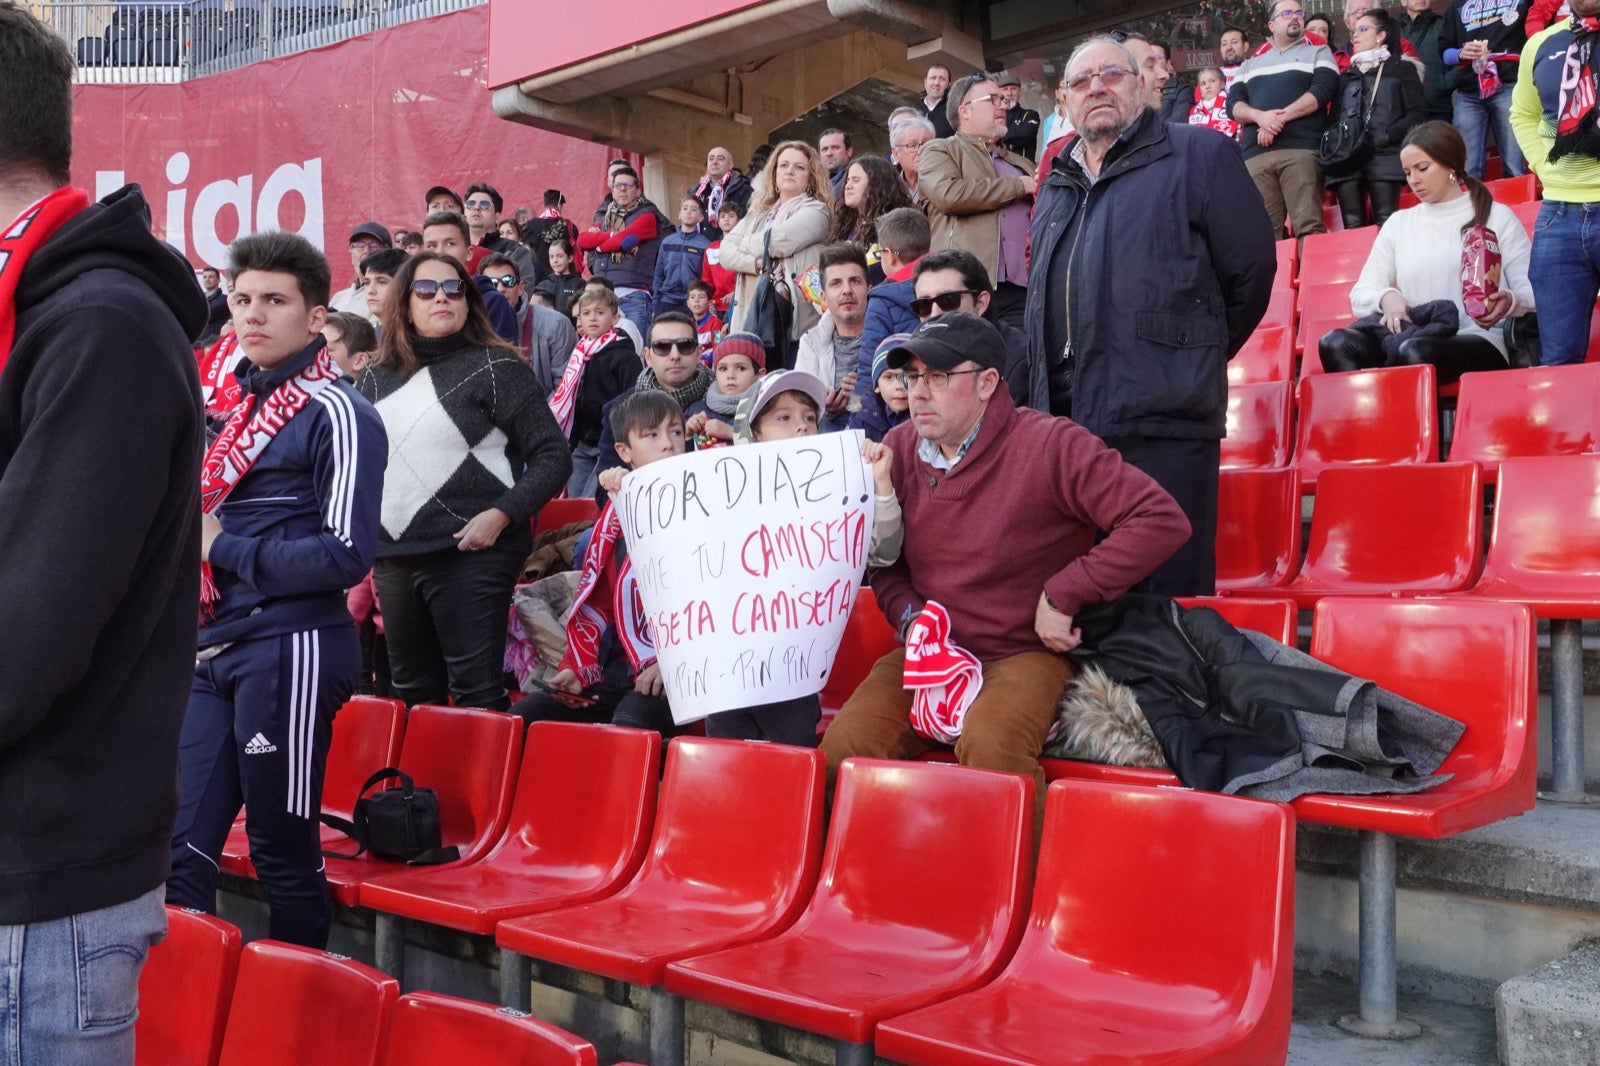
{"x": 945, "y": 301}
{"x": 453, "y": 288}
{"x": 937, "y": 380}
{"x": 486, "y": 205}
{"x": 506, "y": 281}
{"x": 1110, "y": 77}
{"x": 1290, "y": 15}
{"x": 681, "y": 345}
{"x": 992, "y": 98}
{"x": 366, "y": 245}
{"x": 911, "y": 147}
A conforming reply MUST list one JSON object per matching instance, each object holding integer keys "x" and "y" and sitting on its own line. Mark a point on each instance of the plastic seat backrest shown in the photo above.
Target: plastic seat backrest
{"x": 558, "y": 513}
{"x": 1280, "y": 309}
{"x": 366, "y": 737}
{"x": 1470, "y": 659}
{"x": 184, "y": 991}
{"x": 1388, "y": 415}
{"x": 868, "y": 637}
{"x": 430, "y": 1028}
{"x": 469, "y": 757}
{"x": 1267, "y": 356}
{"x": 1333, "y": 268}
{"x": 1546, "y": 410}
{"x": 294, "y": 1005}
{"x": 740, "y": 818}
{"x": 1528, "y": 212}
{"x": 1273, "y": 617}
{"x": 1327, "y": 305}
{"x": 1258, "y": 528}
{"x": 1542, "y": 540}
{"x": 1288, "y": 253}
{"x": 1318, "y": 244}
{"x": 1518, "y": 190}
{"x": 1257, "y": 426}
{"x": 1395, "y": 529}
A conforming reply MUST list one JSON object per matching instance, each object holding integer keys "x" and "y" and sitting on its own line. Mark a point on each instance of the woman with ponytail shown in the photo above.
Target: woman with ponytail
{"x": 1416, "y": 260}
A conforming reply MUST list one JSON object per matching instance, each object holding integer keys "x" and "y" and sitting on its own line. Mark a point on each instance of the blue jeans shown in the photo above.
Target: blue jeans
{"x": 1473, "y": 114}
{"x": 635, "y": 307}
{"x": 69, "y": 988}
{"x": 1566, "y": 260}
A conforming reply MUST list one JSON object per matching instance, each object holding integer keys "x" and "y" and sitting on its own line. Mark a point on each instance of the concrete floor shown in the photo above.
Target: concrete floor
{"x": 1453, "y": 1035}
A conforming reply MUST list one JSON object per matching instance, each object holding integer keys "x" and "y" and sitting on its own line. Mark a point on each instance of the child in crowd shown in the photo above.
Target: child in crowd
{"x": 738, "y": 361}
{"x": 681, "y": 259}
{"x": 378, "y": 270}
{"x": 604, "y": 364}
{"x": 1211, "y": 107}
{"x": 893, "y": 405}
{"x": 720, "y": 278}
{"x": 563, "y": 280}
{"x": 706, "y": 323}
{"x": 351, "y": 341}
{"x": 609, "y": 673}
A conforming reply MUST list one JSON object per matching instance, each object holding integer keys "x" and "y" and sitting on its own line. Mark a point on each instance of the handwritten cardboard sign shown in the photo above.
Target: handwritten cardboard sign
{"x": 748, "y": 560}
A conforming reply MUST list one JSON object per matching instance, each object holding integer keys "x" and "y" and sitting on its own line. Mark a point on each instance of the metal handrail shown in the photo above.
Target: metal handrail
{"x": 146, "y": 41}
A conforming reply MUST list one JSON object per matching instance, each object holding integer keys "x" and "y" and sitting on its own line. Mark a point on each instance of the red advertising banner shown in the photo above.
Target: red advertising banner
{"x": 320, "y": 141}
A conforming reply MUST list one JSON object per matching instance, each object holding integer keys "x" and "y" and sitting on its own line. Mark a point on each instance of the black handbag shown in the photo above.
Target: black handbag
{"x": 396, "y": 823}
{"x": 771, "y": 315}
{"x": 1345, "y": 144}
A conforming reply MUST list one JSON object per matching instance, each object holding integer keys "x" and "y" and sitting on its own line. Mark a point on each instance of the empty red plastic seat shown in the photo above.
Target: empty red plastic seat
{"x": 1258, "y": 528}
{"x": 1317, "y": 245}
{"x": 564, "y": 512}
{"x": 1473, "y": 661}
{"x": 1267, "y": 356}
{"x": 1257, "y": 426}
{"x": 1109, "y": 968}
{"x": 1322, "y": 307}
{"x": 584, "y": 803}
{"x": 1542, "y": 548}
{"x": 1543, "y": 410}
{"x": 295, "y": 1005}
{"x": 431, "y": 1029}
{"x": 921, "y": 897}
{"x": 1272, "y": 617}
{"x": 1404, "y": 530}
{"x": 1288, "y": 259}
{"x": 1334, "y": 268}
{"x": 1280, "y": 309}
{"x": 1521, "y": 190}
{"x": 868, "y": 637}
{"x": 1366, "y": 418}
{"x": 184, "y": 991}
{"x": 469, "y": 757}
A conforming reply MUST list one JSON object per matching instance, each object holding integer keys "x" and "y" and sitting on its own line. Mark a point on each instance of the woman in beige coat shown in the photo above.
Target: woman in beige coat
{"x": 794, "y": 205}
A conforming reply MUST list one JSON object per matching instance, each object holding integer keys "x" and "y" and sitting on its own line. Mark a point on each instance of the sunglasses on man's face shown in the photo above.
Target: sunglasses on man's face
{"x": 482, "y": 205}
{"x": 682, "y": 345}
{"x": 506, "y": 281}
{"x": 453, "y": 288}
{"x": 945, "y": 301}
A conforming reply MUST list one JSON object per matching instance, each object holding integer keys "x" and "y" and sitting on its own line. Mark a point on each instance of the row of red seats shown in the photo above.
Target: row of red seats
{"x": 203, "y": 1001}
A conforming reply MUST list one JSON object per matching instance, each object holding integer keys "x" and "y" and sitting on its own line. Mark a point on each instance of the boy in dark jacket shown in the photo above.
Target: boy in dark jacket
{"x": 289, "y": 497}
{"x": 681, "y": 259}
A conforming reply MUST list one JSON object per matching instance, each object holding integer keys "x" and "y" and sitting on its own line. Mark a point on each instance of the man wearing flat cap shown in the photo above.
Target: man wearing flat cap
{"x": 1022, "y": 123}
{"x": 1002, "y": 507}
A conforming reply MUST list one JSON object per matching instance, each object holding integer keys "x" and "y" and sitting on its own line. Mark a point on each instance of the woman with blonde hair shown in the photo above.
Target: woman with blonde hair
{"x": 788, "y": 222}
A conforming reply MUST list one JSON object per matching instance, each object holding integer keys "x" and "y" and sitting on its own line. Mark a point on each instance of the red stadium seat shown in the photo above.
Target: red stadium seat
{"x": 431, "y": 1029}
{"x": 1472, "y": 661}
{"x": 1257, "y": 426}
{"x": 868, "y": 637}
{"x": 1404, "y": 530}
{"x": 1364, "y": 418}
{"x": 1258, "y": 528}
{"x": 1273, "y": 617}
{"x": 366, "y": 737}
{"x": 558, "y": 513}
{"x": 1333, "y": 268}
{"x": 294, "y": 1005}
{"x": 1528, "y": 212}
{"x": 1288, "y": 259}
{"x": 470, "y": 758}
{"x": 184, "y": 990}
{"x": 1108, "y": 969}
{"x": 1514, "y": 190}
{"x": 1506, "y": 414}
{"x": 1321, "y": 244}
{"x": 1280, "y": 309}
{"x": 1267, "y": 356}
{"x": 585, "y": 800}
{"x": 921, "y": 897}
{"x": 734, "y": 858}
{"x": 1322, "y": 307}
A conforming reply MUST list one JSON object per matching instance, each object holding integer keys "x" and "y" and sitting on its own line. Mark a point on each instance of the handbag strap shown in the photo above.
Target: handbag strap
{"x": 1373, "y": 103}
{"x": 349, "y": 828}
{"x": 408, "y": 784}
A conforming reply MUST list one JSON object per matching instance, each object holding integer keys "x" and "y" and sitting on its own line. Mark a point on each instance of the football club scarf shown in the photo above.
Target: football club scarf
{"x": 1575, "y": 114}
{"x": 604, "y": 582}
{"x": 244, "y": 439}
{"x": 219, "y": 386}
{"x": 564, "y": 401}
{"x": 26, "y": 235}
{"x": 944, "y": 679}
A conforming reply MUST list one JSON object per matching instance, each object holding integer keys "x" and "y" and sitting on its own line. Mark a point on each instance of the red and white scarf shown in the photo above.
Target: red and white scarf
{"x": 943, "y": 678}
{"x": 1576, "y": 130}
{"x": 244, "y": 439}
{"x": 607, "y": 595}
{"x": 564, "y": 401}
{"x": 219, "y": 386}
{"x": 26, "y": 235}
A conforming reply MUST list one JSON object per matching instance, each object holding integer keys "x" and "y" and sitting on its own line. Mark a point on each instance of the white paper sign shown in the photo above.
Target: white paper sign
{"x": 748, "y": 560}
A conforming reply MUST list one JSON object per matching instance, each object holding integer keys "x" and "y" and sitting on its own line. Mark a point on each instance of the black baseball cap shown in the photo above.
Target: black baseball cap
{"x": 376, "y": 230}
{"x": 444, "y": 190}
{"x": 946, "y": 342}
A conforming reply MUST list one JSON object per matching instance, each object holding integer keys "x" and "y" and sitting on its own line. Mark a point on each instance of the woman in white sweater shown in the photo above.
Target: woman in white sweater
{"x": 1417, "y": 259}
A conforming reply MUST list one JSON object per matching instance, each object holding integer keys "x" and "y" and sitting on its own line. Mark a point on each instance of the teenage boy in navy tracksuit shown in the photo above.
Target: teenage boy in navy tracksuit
{"x": 289, "y": 498}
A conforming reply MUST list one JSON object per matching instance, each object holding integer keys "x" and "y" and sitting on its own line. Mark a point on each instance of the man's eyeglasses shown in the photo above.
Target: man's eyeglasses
{"x": 937, "y": 380}
{"x": 945, "y": 301}
{"x": 681, "y": 345}
{"x": 506, "y": 281}
{"x": 486, "y": 205}
{"x": 911, "y": 147}
{"x": 1290, "y": 15}
{"x": 1110, "y": 77}
{"x": 453, "y": 288}
{"x": 366, "y": 245}
{"x": 996, "y": 99}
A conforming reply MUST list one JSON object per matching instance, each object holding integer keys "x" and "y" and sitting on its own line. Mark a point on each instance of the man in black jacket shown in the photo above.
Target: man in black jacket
{"x": 100, "y": 446}
{"x": 1152, "y": 263}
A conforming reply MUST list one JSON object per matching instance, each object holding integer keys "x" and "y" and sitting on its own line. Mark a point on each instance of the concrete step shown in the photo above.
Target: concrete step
{"x": 1551, "y": 1016}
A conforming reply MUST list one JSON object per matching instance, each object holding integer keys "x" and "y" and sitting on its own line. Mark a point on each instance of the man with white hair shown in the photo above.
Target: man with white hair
{"x": 721, "y": 184}
{"x": 906, "y": 141}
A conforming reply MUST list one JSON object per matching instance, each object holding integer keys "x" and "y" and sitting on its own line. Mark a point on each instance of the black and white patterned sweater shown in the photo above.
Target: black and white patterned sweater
{"x": 470, "y": 430}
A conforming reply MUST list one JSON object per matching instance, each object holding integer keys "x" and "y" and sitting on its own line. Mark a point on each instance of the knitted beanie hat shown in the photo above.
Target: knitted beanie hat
{"x": 745, "y": 344}
{"x": 880, "y": 357}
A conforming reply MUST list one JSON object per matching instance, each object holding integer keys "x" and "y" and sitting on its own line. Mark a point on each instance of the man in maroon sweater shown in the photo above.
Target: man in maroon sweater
{"x": 1002, "y": 506}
